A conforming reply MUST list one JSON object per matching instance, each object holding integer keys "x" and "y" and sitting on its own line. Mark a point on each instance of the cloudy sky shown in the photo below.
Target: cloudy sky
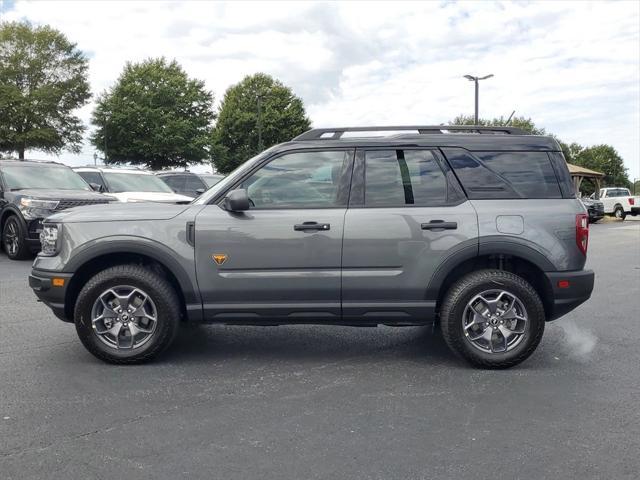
{"x": 572, "y": 67}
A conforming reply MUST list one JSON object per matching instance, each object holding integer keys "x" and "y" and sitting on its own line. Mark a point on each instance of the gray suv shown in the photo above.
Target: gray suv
{"x": 476, "y": 229}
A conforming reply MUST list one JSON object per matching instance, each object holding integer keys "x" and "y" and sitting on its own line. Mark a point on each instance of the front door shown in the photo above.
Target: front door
{"x": 280, "y": 260}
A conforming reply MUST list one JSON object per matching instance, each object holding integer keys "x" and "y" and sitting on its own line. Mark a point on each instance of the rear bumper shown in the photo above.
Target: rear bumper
{"x": 635, "y": 210}
{"x": 54, "y": 297}
{"x": 567, "y": 296}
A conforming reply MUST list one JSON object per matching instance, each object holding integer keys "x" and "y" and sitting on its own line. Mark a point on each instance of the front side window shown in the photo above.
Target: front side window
{"x": 92, "y": 177}
{"x": 403, "y": 177}
{"x": 176, "y": 182}
{"x": 299, "y": 180}
{"x": 193, "y": 183}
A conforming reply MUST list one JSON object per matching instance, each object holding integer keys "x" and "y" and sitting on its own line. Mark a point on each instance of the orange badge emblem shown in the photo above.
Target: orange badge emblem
{"x": 219, "y": 258}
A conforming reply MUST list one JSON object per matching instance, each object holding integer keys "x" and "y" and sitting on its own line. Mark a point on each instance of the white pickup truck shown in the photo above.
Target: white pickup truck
{"x": 619, "y": 202}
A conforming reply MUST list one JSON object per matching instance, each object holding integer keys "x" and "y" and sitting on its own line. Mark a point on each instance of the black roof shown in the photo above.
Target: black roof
{"x": 470, "y": 137}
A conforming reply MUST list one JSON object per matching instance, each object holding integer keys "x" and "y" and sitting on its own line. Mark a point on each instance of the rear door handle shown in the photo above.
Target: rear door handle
{"x": 306, "y": 226}
{"x": 439, "y": 225}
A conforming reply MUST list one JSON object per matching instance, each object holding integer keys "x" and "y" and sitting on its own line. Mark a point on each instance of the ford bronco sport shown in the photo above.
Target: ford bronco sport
{"x": 478, "y": 229}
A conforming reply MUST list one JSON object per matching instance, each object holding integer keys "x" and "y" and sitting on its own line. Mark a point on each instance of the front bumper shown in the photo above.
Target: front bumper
{"x": 53, "y": 296}
{"x": 570, "y": 289}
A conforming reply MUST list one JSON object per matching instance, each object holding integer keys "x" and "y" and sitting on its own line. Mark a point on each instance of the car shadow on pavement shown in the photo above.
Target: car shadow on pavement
{"x": 306, "y": 342}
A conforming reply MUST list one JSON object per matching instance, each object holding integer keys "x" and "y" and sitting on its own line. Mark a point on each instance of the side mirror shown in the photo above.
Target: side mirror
{"x": 200, "y": 191}
{"x": 96, "y": 187}
{"x": 237, "y": 200}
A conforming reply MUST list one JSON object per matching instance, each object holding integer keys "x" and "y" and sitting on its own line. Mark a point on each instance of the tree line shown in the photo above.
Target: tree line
{"x": 156, "y": 116}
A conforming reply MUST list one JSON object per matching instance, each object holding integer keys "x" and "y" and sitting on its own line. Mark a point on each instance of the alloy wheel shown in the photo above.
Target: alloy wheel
{"x": 124, "y": 317}
{"x": 495, "y": 321}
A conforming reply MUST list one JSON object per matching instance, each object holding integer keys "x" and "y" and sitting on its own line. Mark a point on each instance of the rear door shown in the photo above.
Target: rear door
{"x": 279, "y": 261}
{"x": 406, "y": 217}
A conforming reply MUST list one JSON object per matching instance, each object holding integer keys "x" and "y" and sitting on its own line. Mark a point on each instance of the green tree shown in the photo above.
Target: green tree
{"x": 43, "y": 79}
{"x": 524, "y": 123}
{"x": 255, "y": 114}
{"x": 155, "y": 116}
{"x": 605, "y": 159}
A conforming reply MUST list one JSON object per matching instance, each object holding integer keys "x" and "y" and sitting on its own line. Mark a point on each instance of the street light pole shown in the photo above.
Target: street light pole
{"x": 471, "y": 78}
{"x": 260, "y": 148}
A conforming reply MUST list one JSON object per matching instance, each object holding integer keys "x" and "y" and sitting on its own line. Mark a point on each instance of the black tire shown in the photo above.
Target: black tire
{"x": 619, "y": 213}
{"x": 155, "y": 286}
{"x": 455, "y": 303}
{"x": 13, "y": 226}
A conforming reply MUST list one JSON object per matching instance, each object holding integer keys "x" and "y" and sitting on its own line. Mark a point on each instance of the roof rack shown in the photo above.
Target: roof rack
{"x": 337, "y": 133}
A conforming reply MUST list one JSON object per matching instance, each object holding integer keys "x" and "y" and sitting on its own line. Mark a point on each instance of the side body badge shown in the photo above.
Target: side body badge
{"x": 219, "y": 258}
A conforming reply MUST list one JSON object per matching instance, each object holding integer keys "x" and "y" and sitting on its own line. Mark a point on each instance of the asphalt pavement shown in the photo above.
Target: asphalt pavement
{"x": 309, "y": 402}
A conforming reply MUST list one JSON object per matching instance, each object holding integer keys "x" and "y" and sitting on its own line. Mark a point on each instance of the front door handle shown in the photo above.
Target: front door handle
{"x": 439, "y": 225}
{"x": 307, "y": 226}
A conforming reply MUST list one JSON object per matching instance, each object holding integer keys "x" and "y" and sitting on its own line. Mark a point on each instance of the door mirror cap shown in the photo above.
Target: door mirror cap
{"x": 96, "y": 187}
{"x": 237, "y": 200}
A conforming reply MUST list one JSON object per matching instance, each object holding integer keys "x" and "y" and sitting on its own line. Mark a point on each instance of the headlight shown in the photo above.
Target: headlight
{"x": 49, "y": 240}
{"x": 27, "y": 202}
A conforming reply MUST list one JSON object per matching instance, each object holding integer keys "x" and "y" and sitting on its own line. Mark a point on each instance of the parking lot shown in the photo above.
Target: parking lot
{"x": 327, "y": 402}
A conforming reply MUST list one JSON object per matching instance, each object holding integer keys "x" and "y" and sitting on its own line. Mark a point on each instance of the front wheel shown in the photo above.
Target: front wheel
{"x": 127, "y": 314}
{"x": 13, "y": 239}
{"x": 492, "y": 318}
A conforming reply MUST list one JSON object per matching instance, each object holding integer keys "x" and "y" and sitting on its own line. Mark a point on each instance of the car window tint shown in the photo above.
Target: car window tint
{"x": 298, "y": 180}
{"x": 176, "y": 182}
{"x": 193, "y": 183}
{"x": 528, "y": 173}
{"x": 403, "y": 177}
{"x": 92, "y": 177}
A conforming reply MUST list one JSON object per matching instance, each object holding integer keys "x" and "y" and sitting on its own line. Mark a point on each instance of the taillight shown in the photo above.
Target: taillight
{"x": 582, "y": 232}
{"x": 632, "y": 201}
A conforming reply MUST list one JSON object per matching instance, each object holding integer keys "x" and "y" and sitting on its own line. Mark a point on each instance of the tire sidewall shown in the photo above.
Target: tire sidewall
{"x": 619, "y": 213}
{"x": 166, "y": 322}
{"x": 533, "y": 331}
{"x": 21, "y": 253}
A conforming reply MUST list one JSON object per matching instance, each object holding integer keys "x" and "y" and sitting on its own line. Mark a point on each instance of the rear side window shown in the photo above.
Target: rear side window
{"x": 403, "y": 177}
{"x": 489, "y": 175}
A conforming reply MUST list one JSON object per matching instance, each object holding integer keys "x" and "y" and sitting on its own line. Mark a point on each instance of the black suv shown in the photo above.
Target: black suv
{"x": 31, "y": 191}
{"x": 190, "y": 184}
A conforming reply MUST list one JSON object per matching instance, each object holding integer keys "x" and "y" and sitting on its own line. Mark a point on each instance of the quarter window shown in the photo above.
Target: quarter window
{"x": 403, "y": 177}
{"x": 299, "y": 180}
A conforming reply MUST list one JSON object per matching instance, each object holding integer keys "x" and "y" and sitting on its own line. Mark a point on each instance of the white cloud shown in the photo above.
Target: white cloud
{"x": 574, "y": 67}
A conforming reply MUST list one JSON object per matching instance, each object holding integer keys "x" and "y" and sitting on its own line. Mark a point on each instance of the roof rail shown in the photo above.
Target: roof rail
{"x": 336, "y": 133}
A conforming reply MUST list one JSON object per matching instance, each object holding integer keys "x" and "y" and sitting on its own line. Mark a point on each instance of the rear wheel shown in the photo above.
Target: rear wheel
{"x": 619, "y": 213}
{"x": 492, "y": 318}
{"x": 13, "y": 239}
{"x": 127, "y": 314}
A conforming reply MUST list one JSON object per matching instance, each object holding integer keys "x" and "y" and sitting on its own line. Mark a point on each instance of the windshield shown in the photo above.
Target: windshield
{"x": 135, "y": 182}
{"x": 211, "y": 180}
{"x": 19, "y": 177}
